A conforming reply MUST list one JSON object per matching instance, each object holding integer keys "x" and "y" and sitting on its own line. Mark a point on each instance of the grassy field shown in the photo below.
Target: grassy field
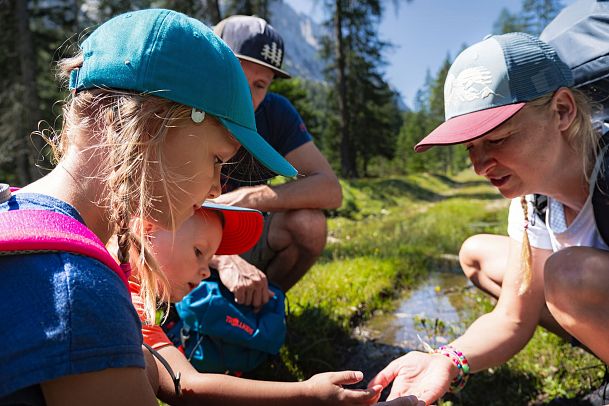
{"x": 387, "y": 236}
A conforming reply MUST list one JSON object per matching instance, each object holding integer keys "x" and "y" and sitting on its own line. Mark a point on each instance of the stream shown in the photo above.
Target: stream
{"x": 436, "y": 311}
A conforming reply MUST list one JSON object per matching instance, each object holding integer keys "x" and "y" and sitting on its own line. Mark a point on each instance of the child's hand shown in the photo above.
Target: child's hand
{"x": 327, "y": 389}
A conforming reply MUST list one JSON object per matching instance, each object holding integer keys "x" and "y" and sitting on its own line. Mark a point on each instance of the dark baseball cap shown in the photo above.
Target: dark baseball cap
{"x": 253, "y": 39}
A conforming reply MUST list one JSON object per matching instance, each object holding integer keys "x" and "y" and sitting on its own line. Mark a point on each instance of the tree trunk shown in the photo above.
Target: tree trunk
{"x": 32, "y": 145}
{"x": 248, "y": 7}
{"x": 213, "y": 6}
{"x": 347, "y": 161}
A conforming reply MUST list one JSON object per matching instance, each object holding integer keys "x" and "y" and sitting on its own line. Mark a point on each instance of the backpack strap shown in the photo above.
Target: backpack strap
{"x": 540, "y": 206}
{"x": 36, "y": 231}
{"x": 599, "y": 190}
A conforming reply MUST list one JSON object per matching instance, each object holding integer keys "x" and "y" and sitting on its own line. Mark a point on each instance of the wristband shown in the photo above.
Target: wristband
{"x": 460, "y": 362}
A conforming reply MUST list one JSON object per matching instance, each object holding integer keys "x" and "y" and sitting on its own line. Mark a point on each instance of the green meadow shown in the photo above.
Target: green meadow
{"x": 385, "y": 240}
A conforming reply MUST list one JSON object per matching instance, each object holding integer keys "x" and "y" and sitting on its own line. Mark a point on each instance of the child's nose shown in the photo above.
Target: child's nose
{"x": 205, "y": 272}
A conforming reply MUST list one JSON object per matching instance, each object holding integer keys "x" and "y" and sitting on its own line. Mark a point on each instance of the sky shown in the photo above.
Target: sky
{"x": 424, "y": 32}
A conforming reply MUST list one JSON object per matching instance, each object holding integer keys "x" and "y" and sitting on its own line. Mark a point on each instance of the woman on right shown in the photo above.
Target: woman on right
{"x": 508, "y": 100}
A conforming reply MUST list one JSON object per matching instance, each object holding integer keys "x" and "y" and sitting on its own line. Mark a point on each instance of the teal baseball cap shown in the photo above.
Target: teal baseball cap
{"x": 489, "y": 82}
{"x": 170, "y": 55}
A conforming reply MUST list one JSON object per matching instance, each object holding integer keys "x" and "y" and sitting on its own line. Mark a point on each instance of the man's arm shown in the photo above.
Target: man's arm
{"x": 316, "y": 187}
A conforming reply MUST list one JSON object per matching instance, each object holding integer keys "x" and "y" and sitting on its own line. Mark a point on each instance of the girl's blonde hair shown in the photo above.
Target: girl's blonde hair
{"x": 132, "y": 128}
{"x": 585, "y": 140}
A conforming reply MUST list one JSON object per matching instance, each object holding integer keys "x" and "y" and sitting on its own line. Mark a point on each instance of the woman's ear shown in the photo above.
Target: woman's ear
{"x": 564, "y": 105}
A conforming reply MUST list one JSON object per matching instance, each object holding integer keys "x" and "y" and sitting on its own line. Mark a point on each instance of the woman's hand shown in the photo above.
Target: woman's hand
{"x": 426, "y": 376}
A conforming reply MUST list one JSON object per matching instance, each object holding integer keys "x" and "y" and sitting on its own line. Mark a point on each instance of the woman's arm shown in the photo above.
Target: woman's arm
{"x": 497, "y": 336}
{"x": 491, "y": 340}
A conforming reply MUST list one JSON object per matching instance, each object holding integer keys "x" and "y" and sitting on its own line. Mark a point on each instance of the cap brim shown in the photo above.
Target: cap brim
{"x": 242, "y": 228}
{"x": 278, "y": 72}
{"x": 260, "y": 149}
{"x": 468, "y": 127}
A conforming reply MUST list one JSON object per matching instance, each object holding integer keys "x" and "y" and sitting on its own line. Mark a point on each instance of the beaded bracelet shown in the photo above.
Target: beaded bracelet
{"x": 460, "y": 362}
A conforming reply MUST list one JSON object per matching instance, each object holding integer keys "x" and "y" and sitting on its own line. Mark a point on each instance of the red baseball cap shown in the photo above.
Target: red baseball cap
{"x": 241, "y": 228}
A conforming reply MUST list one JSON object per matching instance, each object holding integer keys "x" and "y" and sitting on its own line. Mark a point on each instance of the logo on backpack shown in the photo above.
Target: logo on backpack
{"x": 235, "y": 322}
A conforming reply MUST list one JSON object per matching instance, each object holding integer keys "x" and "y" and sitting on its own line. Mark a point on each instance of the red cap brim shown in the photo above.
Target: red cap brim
{"x": 468, "y": 127}
{"x": 242, "y": 228}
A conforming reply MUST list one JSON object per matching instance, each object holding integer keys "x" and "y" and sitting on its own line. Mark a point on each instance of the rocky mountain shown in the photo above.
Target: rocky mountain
{"x": 301, "y": 36}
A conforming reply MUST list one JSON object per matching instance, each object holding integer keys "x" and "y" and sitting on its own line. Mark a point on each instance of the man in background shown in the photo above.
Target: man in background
{"x": 295, "y": 228}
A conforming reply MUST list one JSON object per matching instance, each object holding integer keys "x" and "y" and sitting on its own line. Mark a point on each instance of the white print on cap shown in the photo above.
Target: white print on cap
{"x": 272, "y": 53}
{"x": 471, "y": 84}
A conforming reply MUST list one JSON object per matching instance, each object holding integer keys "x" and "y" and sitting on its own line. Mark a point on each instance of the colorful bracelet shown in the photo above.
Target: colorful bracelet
{"x": 460, "y": 362}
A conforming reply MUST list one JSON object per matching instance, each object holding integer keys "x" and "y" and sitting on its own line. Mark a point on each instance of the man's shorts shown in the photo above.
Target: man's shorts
{"x": 261, "y": 254}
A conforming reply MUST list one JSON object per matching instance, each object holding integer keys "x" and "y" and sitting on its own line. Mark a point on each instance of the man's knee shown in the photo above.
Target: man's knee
{"x": 307, "y": 228}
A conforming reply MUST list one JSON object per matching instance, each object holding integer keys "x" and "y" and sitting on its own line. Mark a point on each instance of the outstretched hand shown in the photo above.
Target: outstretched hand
{"x": 425, "y": 376}
{"x": 327, "y": 388}
{"x": 245, "y": 281}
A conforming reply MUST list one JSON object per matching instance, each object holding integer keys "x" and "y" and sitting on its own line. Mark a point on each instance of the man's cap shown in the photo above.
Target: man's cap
{"x": 580, "y": 35}
{"x": 167, "y": 54}
{"x": 241, "y": 228}
{"x": 491, "y": 81}
{"x": 253, "y": 39}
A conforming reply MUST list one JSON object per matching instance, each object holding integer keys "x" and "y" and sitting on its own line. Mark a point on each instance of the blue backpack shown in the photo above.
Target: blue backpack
{"x": 219, "y": 335}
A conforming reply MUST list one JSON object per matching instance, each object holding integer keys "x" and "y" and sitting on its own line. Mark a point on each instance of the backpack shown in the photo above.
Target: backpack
{"x": 37, "y": 231}
{"x": 599, "y": 190}
{"x": 584, "y": 26}
{"x": 219, "y": 335}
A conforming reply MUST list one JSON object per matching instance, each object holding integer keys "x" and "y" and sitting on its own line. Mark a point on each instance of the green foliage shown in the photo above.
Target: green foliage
{"x": 533, "y": 17}
{"x": 507, "y": 22}
{"x": 417, "y": 124}
{"x": 365, "y": 115}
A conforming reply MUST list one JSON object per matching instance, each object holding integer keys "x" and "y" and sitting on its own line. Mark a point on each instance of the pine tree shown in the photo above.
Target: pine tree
{"x": 366, "y": 110}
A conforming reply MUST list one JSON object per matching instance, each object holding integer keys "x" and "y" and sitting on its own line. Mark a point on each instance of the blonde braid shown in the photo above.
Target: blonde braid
{"x": 527, "y": 273}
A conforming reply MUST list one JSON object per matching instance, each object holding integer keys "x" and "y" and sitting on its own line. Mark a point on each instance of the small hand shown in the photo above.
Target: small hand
{"x": 425, "y": 376}
{"x": 327, "y": 388}
{"x": 245, "y": 281}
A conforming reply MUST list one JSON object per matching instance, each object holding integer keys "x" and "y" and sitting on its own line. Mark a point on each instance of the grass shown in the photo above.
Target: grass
{"x": 388, "y": 235}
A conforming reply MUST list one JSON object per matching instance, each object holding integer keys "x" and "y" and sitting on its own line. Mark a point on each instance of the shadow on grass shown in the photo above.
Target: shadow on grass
{"x": 390, "y": 189}
{"x": 476, "y": 196}
{"x": 314, "y": 343}
{"x": 503, "y": 386}
{"x": 456, "y": 184}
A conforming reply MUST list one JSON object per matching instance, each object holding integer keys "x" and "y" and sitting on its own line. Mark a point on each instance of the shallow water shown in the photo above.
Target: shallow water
{"x": 435, "y": 311}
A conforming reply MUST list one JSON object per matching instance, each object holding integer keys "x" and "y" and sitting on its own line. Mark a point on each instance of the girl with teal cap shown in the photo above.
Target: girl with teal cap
{"x": 158, "y": 104}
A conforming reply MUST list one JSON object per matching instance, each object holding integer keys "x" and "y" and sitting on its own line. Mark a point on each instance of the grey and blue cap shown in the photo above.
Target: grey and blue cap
{"x": 253, "y": 39}
{"x": 169, "y": 55}
{"x": 491, "y": 81}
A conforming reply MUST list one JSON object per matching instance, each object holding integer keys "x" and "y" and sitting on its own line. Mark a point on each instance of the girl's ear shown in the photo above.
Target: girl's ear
{"x": 564, "y": 104}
